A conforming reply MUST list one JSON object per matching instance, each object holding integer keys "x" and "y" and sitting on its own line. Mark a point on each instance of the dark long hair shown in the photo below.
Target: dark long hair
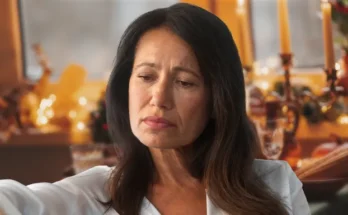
{"x": 224, "y": 153}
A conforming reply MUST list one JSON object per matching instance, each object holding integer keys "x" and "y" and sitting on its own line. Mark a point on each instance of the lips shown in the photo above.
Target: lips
{"x": 158, "y": 122}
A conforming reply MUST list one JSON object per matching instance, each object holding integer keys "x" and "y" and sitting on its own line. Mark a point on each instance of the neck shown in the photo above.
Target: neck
{"x": 171, "y": 168}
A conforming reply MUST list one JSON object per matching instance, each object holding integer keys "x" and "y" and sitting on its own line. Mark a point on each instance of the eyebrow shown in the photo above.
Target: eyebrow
{"x": 188, "y": 70}
{"x": 176, "y": 68}
{"x": 152, "y": 65}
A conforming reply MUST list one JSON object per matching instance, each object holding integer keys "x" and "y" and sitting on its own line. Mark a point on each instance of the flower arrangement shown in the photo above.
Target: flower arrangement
{"x": 340, "y": 17}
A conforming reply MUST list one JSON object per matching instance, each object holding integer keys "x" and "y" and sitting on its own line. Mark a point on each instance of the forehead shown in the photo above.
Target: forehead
{"x": 163, "y": 43}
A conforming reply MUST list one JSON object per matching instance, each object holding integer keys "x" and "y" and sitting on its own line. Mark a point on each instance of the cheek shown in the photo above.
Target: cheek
{"x": 136, "y": 99}
{"x": 194, "y": 108}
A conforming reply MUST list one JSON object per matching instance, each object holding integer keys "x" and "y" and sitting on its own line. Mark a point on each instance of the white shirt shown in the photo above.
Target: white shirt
{"x": 79, "y": 194}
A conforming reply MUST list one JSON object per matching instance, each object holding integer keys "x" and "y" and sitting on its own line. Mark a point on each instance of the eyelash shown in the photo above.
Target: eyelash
{"x": 184, "y": 84}
{"x": 145, "y": 78}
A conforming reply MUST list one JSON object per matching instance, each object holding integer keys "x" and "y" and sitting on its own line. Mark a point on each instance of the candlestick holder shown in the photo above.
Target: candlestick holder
{"x": 331, "y": 78}
{"x": 332, "y": 89}
{"x": 286, "y": 60}
{"x": 289, "y": 105}
{"x": 292, "y": 150}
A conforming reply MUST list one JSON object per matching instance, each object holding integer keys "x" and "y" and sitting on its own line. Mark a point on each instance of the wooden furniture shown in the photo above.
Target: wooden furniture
{"x": 31, "y": 163}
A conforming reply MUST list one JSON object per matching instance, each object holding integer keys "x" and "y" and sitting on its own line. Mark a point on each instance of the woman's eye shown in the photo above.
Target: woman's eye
{"x": 185, "y": 84}
{"x": 145, "y": 78}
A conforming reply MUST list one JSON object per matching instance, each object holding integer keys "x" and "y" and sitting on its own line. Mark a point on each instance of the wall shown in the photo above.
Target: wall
{"x": 305, "y": 27}
{"x": 70, "y": 32}
{"x": 88, "y": 33}
{"x": 82, "y": 32}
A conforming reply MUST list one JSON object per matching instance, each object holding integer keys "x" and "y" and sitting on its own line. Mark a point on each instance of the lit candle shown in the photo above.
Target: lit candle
{"x": 284, "y": 28}
{"x": 246, "y": 40}
{"x": 327, "y": 35}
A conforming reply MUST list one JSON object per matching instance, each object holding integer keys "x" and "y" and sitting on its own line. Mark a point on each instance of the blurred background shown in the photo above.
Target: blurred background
{"x": 56, "y": 57}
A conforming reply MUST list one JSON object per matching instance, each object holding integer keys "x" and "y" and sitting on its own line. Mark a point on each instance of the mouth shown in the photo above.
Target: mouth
{"x": 158, "y": 122}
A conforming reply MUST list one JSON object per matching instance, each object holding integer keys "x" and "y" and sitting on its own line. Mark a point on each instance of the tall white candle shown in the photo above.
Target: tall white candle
{"x": 327, "y": 35}
{"x": 284, "y": 28}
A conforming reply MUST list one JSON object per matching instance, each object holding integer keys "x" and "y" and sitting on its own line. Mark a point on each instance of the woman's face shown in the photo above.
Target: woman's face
{"x": 168, "y": 100}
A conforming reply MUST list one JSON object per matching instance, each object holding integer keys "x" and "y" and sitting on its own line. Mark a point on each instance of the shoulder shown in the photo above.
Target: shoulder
{"x": 88, "y": 186}
{"x": 79, "y": 194}
{"x": 282, "y": 180}
{"x": 93, "y": 182}
{"x": 93, "y": 175}
{"x": 278, "y": 175}
{"x": 276, "y": 172}
{"x": 265, "y": 167}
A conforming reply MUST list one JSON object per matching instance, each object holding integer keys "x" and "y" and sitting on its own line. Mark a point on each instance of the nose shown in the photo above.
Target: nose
{"x": 162, "y": 95}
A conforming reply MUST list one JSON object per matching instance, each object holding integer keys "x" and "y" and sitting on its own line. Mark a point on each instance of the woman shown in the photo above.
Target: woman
{"x": 176, "y": 108}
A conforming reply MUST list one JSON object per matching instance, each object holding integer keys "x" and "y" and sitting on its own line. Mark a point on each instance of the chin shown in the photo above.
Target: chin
{"x": 161, "y": 146}
{"x": 158, "y": 142}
